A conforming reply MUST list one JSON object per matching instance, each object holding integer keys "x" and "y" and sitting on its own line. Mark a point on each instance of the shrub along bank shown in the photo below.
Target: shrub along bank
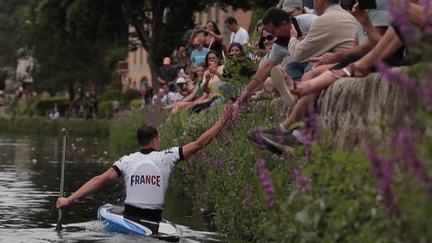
{"x": 380, "y": 192}
{"x": 318, "y": 194}
{"x": 38, "y": 125}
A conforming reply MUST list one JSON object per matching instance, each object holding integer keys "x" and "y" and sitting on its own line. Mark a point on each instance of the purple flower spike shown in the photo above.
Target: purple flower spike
{"x": 383, "y": 170}
{"x": 249, "y": 194}
{"x": 266, "y": 182}
{"x": 259, "y": 138}
{"x": 219, "y": 165}
{"x": 206, "y": 160}
{"x": 395, "y": 77}
{"x": 301, "y": 179}
{"x": 190, "y": 163}
{"x": 410, "y": 153}
{"x": 311, "y": 126}
{"x": 306, "y": 188}
{"x": 225, "y": 136}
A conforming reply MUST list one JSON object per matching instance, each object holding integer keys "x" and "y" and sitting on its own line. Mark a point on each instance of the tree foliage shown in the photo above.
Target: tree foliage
{"x": 8, "y": 35}
{"x": 74, "y": 41}
{"x": 80, "y": 41}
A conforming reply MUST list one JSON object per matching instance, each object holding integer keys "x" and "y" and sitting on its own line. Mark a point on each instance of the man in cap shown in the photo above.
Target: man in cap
{"x": 167, "y": 74}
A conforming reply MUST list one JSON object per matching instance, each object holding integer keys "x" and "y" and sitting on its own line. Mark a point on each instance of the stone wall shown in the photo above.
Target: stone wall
{"x": 351, "y": 109}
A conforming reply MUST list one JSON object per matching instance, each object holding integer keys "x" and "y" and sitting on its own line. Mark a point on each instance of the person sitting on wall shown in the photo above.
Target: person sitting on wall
{"x": 167, "y": 74}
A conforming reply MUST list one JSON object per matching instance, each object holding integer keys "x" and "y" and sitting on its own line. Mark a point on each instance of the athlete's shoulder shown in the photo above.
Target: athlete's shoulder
{"x": 168, "y": 151}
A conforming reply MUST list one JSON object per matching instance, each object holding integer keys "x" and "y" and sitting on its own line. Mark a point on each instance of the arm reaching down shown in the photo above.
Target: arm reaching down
{"x": 90, "y": 186}
{"x": 191, "y": 148}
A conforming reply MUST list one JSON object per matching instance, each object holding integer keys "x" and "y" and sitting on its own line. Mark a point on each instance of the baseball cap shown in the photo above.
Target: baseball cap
{"x": 291, "y": 5}
{"x": 180, "y": 80}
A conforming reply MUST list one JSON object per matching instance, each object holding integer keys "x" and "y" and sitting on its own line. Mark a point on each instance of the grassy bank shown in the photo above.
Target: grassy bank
{"x": 38, "y": 125}
{"x": 318, "y": 194}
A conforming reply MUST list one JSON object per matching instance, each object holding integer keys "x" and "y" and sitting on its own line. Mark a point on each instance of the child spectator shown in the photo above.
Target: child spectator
{"x": 157, "y": 98}
{"x": 198, "y": 55}
{"x": 168, "y": 97}
{"x": 178, "y": 94}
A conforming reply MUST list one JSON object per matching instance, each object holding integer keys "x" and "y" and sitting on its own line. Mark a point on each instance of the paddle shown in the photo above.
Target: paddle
{"x": 59, "y": 220}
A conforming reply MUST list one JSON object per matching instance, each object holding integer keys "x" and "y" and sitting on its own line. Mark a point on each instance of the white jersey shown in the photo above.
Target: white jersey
{"x": 146, "y": 175}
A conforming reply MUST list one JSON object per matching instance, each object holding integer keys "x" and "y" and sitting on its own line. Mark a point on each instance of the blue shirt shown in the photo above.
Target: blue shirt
{"x": 198, "y": 57}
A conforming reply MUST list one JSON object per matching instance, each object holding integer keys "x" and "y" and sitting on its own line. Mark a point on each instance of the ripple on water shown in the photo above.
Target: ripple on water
{"x": 28, "y": 191}
{"x": 92, "y": 232}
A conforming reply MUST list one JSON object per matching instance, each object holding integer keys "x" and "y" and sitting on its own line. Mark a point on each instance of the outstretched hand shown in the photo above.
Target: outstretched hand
{"x": 327, "y": 58}
{"x": 228, "y": 113}
{"x": 360, "y": 14}
{"x": 63, "y": 202}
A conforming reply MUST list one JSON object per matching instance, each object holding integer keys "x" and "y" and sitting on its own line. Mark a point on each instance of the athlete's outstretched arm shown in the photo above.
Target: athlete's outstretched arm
{"x": 90, "y": 186}
{"x": 191, "y": 148}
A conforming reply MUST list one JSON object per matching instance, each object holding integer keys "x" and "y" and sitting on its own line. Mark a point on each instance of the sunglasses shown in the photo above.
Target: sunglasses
{"x": 269, "y": 38}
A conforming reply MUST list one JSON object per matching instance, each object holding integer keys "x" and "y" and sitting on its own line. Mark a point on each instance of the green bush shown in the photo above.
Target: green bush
{"x": 38, "y": 125}
{"x": 45, "y": 104}
{"x": 378, "y": 193}
{"x": 25, "y": 107}
{"x": 105, "y": 109}
{"x": 131, "y": 94}
{"x": 110, "y": 95}
{"x": 123, "y": 129}
{"x": 137, "y": 103}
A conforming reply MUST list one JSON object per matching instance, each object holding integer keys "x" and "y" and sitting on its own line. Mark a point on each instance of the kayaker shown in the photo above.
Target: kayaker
{"x": 146, "y": 173}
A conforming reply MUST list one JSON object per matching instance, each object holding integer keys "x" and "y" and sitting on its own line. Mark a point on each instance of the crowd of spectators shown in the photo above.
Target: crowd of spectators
{"x": 301, "y": 50}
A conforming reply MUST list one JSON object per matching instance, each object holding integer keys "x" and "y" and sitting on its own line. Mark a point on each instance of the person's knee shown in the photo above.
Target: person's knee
{"x": 268, "y": 85}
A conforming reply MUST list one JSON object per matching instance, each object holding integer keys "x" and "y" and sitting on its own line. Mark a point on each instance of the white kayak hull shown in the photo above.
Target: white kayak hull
{"x": 114, "y": 222}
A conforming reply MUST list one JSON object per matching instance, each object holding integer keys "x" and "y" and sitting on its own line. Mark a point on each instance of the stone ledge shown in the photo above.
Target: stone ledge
{"x": 351, "y": 109}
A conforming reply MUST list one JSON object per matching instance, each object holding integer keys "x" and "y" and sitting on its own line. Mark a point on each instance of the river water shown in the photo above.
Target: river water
{"x": 29, "y": 186}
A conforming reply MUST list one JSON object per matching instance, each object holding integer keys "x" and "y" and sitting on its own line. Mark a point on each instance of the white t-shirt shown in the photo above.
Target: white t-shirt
{"x": 377, "y": 18}
{"x": 241, "y": 36}
{"x": 146, "y": 175}
{"x": 178, "y": 96}
{"x": 168, "y": 98}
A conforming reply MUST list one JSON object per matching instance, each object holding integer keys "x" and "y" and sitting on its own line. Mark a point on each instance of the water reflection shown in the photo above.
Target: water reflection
{"x": 29, "y": 184}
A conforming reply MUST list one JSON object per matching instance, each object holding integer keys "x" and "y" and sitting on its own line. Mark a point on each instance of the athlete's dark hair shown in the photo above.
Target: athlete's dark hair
{"x": 230, "y": 20}
{"x": 275, "y": 16}
{"x": 146, "y": 133}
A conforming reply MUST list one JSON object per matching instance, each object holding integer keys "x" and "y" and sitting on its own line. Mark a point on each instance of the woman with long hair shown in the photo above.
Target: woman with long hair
{"x": 212, "y": 37}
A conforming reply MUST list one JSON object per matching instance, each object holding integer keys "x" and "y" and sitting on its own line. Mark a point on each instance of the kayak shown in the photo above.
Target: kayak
{"x": 113, "y": 221}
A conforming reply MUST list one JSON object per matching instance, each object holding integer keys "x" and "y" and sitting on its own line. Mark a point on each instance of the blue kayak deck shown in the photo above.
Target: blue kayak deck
{"x": 113, "y": 221}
